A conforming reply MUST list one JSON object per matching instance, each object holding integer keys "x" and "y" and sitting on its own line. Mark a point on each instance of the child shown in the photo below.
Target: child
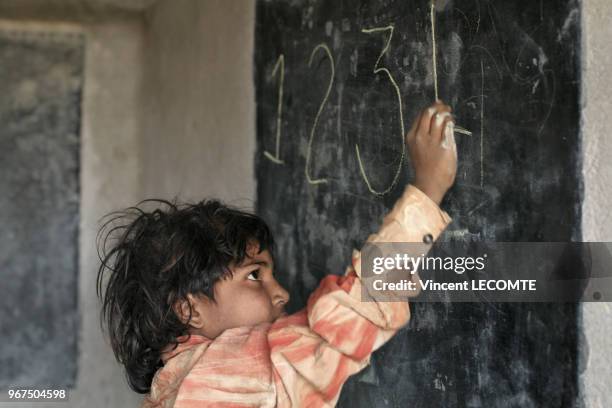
{"x": 196, "y": 315}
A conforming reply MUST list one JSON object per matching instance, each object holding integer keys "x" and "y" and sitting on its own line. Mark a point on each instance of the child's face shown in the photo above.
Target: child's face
{"x": 250, "y": 297}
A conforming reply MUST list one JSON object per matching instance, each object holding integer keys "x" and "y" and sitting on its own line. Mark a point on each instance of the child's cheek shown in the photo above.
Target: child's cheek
{"x": 252, "y": 305}
{"x": 260, "y": 305}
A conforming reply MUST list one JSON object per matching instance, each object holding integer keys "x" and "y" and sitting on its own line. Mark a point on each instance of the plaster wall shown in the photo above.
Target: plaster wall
{"x": 596, "y": 377}
{"x": 199, "y": 107}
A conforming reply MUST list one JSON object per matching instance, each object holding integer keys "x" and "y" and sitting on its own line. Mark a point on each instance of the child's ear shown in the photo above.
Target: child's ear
{"x": 181, "y": 308}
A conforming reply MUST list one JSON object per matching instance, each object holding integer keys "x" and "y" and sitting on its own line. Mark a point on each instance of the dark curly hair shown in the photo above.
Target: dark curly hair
{"x": 154, "y": 259}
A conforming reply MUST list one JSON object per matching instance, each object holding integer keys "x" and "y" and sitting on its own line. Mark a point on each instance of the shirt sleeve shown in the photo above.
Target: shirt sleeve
{"x": 313, "y": 360}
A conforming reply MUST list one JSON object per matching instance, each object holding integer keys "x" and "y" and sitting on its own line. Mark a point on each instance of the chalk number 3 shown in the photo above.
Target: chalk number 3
{"x": 378, "y": 69}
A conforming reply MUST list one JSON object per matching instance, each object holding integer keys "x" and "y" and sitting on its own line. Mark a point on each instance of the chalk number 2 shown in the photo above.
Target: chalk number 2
{"x": 328, "y": 53}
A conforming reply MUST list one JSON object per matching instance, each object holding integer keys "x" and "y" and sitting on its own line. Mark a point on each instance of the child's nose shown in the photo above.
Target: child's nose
{"x": 280, "y": 297}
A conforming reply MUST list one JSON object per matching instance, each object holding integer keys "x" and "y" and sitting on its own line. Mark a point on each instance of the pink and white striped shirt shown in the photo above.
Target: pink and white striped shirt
{"x": 304, "y": 359}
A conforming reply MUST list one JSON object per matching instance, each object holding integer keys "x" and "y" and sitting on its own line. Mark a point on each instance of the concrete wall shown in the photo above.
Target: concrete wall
{"x": 110, "y": 179}
{"x": 597, "y": 215}
{"x": 199, "y": 130}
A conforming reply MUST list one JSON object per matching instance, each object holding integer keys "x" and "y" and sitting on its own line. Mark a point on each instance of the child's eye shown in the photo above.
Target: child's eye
{"x": 254, "y": 273}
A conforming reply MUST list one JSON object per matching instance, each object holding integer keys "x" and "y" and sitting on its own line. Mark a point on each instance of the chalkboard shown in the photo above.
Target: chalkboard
{"x": 338, "y": 83}
{"x": 41, "y": 81}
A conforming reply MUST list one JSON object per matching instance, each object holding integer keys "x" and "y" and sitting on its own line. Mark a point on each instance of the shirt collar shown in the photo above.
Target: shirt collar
{"x": 185, "y": 342}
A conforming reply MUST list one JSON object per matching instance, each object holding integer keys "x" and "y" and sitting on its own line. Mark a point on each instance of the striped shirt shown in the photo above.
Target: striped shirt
{"x": 303, "y": 359}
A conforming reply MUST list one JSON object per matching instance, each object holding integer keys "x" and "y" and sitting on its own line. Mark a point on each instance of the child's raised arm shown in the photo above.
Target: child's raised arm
{"x": 313, "y": 362}
{"x": 431, "y": 143}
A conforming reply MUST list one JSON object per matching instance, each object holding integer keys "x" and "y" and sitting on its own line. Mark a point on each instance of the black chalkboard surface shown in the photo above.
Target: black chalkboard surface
{"x": 338, "y": 84}
{"x": 41, "y": 81}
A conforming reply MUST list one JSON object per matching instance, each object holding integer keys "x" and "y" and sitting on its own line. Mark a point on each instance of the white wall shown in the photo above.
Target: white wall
{"x": 110, "y": 180}
{"x": 199, "y": 129}
{"x": 596, "y": 346}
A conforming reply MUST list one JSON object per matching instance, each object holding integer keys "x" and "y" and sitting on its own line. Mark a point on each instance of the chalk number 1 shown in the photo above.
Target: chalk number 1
{"x": 280, "y": 63}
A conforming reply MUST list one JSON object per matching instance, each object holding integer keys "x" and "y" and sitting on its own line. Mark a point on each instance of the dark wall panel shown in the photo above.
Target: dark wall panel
{"x": 41, "y": 77}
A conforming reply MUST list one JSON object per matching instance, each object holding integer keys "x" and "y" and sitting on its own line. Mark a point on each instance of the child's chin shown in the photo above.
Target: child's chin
{"x": 283, "y": 314}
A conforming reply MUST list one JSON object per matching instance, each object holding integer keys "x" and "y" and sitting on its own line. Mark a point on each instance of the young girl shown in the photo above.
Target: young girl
{"x": 196, "y": 316}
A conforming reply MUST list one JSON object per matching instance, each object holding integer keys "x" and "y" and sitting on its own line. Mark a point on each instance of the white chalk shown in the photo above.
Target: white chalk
{"x": 440, "y": 118}
{"x": 449, "y": 137}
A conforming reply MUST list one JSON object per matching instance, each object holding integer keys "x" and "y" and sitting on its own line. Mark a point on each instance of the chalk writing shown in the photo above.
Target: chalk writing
{"x": 434, "y": 52}
{"x": 280, "y": 62}
{"x": 378, "y": 69}
{"x": 328, "y": 54}
{"x": 434, "y": 48}
{"x": 481, "y": 124}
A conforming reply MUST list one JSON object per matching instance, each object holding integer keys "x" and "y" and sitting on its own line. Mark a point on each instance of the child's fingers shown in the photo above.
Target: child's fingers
{"x": 438, "y": 124}
{"x": 412, "y": 132}
{"x": 425, "y": 120}
{"x": 448, "y": 138}
{"x": 441, "y": 133}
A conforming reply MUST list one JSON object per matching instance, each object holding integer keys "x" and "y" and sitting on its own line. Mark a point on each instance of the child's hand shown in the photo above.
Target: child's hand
{"x": 431, "y": 143}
